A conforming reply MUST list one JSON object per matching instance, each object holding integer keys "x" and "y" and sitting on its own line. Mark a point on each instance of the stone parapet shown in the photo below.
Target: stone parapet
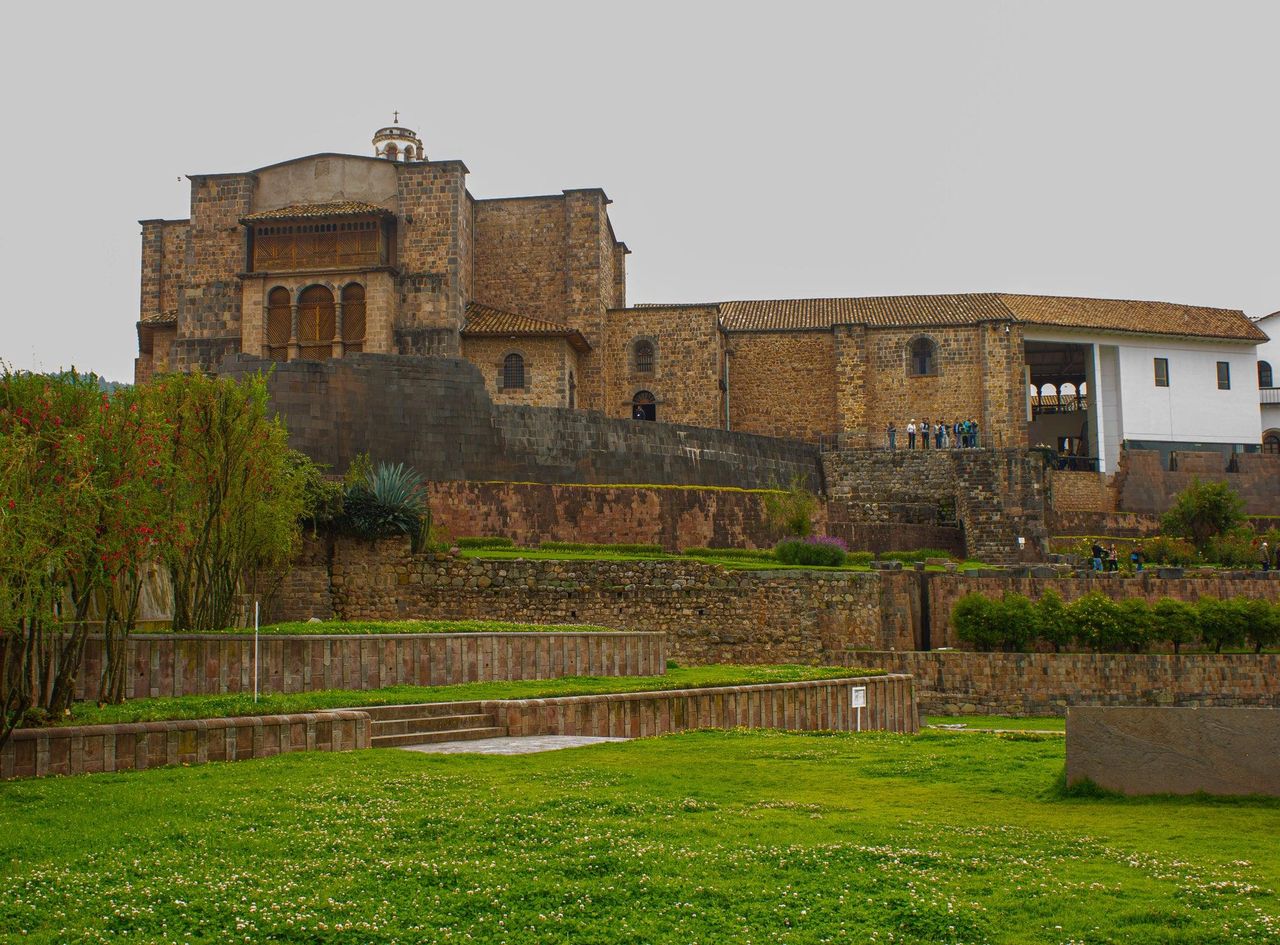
{"x": 40, "y": 752}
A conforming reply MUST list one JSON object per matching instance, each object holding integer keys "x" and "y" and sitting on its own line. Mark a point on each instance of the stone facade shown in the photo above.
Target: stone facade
{"x": 783, "y": 383}
{"x": 955, "y": 683}
{"x": 684, "y": 375}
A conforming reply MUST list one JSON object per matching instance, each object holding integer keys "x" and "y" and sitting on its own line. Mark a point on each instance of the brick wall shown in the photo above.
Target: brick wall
{"x": 1146, "y": 486}
{"x": 429, "y": 254}
{"x": 519, "y": 256}
{"x": 547, "y": 364}
{"x": 816, "y": 705}
{"x": 1046, "y": 683}
{"x": 198, "y": 664}
{"x": 688, "y": 354}
{"x": 710, "y": 615}
{"x": 41, "y": 752}
{"x": 783, "y": 383}
{"x": 1077, "y": 491}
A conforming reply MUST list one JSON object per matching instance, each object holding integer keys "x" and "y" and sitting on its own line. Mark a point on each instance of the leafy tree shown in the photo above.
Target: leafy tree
{"x": 1136, "y": 624}
{"x": 1262, "y": 623}
{"x": 1202, "y": 511}
{"x": 1097, "y": 621}
{"x": 1053, "y": 624}
{"x": 791, "y": 512}
{"x": 1175, "y": 621}
{"x": 978, "y": 621}
{"x": 1017, "y": 621}
{"x": 1222, "y": 623}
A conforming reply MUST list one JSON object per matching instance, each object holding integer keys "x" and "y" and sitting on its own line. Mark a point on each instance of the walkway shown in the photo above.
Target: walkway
{"x": 525, "y": 745}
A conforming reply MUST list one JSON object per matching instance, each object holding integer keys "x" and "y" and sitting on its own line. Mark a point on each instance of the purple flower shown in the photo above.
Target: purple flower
{"x": 828, "y": 540}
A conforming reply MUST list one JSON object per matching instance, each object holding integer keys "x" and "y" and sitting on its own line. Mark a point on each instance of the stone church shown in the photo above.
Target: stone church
{"x": 329, "y": 255}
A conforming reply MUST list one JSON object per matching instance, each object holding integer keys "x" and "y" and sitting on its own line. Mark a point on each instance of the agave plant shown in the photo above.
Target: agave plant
{"x": 391, "y": 500}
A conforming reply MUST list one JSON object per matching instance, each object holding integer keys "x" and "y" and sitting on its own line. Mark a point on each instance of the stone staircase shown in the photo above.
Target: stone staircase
{"x": 397, "y": 725}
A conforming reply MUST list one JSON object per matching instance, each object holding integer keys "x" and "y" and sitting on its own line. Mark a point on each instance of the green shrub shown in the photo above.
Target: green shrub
{"x": 492, "y": 541}
{"x": 1136, "y": 624}
{"x": 745, "y": 554}
{"x": 1174, "y": 552}
{"x": 791, "y": 512}
{"x": 809, "y": 553}
{"x": 588, "y": 547}
{"x": 919, "y": 554}
{"x": 1053, "y": 625}
{"x": 1222, "y": 622}
{"x": 1017, "y": 621}
{"x": 1262, "y": 623}
{"x": 978, "y": 621}
{"x": 1096, "y": 621}
{"x": 1176, "y": 622}
{"x": 1236, "y": 549}
{"x": 1202, "y": 511}
{"x": 391, "y": 500}
{"x": 859, "y": 557}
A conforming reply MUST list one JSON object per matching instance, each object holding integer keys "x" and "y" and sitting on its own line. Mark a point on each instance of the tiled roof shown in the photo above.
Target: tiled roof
{"x": 1154, "y": 318}
{"x": 161, "y": 318}
{"x": 485, "y": 320}
{"x": 306, "y": 211}
{"x": 881, "y": 311}
{"x": 917, "y": 311}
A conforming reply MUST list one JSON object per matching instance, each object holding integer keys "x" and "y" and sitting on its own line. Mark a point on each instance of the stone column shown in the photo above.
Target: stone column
{"x": 337, "y": 325}
{"x": 295, "y": 349}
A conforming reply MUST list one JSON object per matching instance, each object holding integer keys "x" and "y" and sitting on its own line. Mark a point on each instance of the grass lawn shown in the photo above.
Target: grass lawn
{"x": 708, "y": 837}
{"x": 728, "y": 563}
{"x": 217, "y": 706}
{"x": 1052, "y": 723}
{"x": 302, "y": 627}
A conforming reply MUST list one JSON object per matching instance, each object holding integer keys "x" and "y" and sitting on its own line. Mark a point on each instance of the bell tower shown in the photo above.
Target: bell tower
{"x": 397, "y": 143}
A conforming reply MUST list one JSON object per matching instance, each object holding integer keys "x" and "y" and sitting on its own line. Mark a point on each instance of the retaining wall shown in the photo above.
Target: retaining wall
{"x": 815, "y": 705}
{"x": 958, "y": 683}
{"x": 39, "y": 752}
{"x": 195, "y": 664}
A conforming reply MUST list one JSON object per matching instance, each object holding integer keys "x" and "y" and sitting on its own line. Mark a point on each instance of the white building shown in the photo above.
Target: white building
{"x": 1268, "y": 392}
{"x": 1151, "y": 376}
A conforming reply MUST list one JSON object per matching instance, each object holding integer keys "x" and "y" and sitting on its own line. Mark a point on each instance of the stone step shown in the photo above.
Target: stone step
{"x": 420, "y": 710}
{"x": 433, "y": 723}
{"x": 425, "y": 738}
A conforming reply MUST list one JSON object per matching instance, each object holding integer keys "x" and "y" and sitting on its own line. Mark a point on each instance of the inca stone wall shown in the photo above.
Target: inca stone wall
{"x": 688, "y": 355}
{"x": 520, "y": 255}
{"x": 956, "y": 683}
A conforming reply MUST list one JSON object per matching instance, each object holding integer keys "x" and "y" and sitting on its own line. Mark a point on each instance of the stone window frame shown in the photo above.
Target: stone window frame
{"x": 526, "y": 365}
{"x": 936, "y": 355}
{"x": 633, "y": 361}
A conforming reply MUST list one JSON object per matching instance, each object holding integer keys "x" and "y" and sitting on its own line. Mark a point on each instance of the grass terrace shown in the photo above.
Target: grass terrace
{"x": 709, "y": 837}
{"x": 239, "y": 704}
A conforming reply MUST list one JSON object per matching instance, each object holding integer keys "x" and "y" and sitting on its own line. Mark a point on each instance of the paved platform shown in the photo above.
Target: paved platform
{"x": 525, "y": 745}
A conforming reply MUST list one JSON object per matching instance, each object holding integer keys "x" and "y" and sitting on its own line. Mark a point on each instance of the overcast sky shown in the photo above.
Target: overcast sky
{"x": 1123, "y": 150}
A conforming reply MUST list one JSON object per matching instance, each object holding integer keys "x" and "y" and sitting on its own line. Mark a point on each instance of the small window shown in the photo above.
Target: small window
{"x": 644, "y": 406}
{"x": 1224, "y": 375}
{"x": 513, "y": 372}
{"x": 1162, "y": 372}
{"x": 1271, "y": 443}
{"x": 1264, "y": 374}
{"x": 923, "y": 357}
{"x": 644, "y": 357}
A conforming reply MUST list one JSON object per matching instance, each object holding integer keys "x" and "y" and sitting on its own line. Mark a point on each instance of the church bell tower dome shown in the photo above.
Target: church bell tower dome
{"x": 397, "y": 143}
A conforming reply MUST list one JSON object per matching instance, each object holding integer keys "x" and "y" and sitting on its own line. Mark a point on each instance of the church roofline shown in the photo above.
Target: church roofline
{"x": 337, "y": 154}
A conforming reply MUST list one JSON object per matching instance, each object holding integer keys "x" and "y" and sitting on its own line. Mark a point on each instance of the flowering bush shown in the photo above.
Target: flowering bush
{"x": 816, "y": 552}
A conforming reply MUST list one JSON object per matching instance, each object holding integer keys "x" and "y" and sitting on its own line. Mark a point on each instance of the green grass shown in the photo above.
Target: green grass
{"x": 408, "y": 626}
{"x": 704, "y": 837}
{"x": 220, "y": 706}
{"x": 1052, "y": 723}
{"x": 729, "y": 562}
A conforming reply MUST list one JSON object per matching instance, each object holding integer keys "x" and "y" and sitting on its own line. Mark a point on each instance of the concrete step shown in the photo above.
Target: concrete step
{"x": 433, "y": 723}
{"x": 419, "y": 710}
{"x": 425, "y": 738}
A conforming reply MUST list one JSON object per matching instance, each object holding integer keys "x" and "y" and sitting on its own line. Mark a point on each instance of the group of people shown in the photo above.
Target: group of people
{"x": 1108, "y": 559}
{"x": 938, "y": 434}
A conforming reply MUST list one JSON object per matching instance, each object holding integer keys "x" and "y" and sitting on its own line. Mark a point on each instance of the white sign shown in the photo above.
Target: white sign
{"x": 859, "y": 695}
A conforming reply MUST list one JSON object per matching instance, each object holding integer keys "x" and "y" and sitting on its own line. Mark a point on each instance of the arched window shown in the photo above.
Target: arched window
{"x": 642, "y": 356}
{"x": 923, "y": 357}
{"x": 513, "y": 372}
{"x": 408, "y": 152}
{"x": 353, "y": 318}
{"x": 393, "y": 153}
{"x": 279, "y": 323}
{"x": 1271, "y": 442}
{"x": 1265, "y": 378}
{"x": 316, "y": 323}
{"x": 644, "y": 406}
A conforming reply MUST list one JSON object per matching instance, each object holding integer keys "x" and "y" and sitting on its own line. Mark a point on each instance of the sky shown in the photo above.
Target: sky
{"x": 1106, "y": 149}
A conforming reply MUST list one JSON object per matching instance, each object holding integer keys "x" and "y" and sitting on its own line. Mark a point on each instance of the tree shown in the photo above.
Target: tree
{"x": 1136, "y": 624}
{"x": 1175, "y": 621}
{"x": 1096, "y": 620}
{"x": 1202, "y": 511}
{"x": 1016, "y": 618}
{"x": 1053, "y": 624}
{"x": 978, "y": 621}
{"x": 1222, "y": 623}
{"x": 791, "y": 512}
{"x": 1262, "y": 623}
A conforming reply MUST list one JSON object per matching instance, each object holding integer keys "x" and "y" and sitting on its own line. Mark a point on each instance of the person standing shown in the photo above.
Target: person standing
{"x": 1138, "y": 556}
{"x": 939, "y": 433}
{"x": 977, "y": 435}
{"x": 1096, "y": 553}
{"x": 1264, "y": 556}
{"x": 924, "y": 434}
{"x": 892, "y": 431}
{"x": 911, "y": 435}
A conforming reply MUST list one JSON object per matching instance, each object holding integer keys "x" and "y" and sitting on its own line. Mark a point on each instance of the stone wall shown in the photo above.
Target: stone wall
{"x": 710, "y": 615}
{"x": 40, "y": 752}
{"x": 200, "y": 664}
{"x": 1145, "y": 486}
{"x": 783, "y": 383}
{"x": 675, "y": 518}
{"x": 435, "y": 415}
{"x": 548, "y": 362}
{"x": 816, "y": 705}
{"x": 688, "y": 356}
{"x": 956, "y": 683}
{"x": 945, "y": 590}
{"x": 1080, "y": 491}
{"x": 519, "y": 262}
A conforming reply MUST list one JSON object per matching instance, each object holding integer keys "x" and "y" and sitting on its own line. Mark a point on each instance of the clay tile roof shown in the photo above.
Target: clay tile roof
{"x": 483, "y": 320}
{"x": 161, "y": 318}
{"x": 306, "y": 211}
{"x": 1154, "y": 318}
{"x": 883, "y": 311}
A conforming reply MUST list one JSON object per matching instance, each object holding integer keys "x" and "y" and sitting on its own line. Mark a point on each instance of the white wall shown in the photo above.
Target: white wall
{"x": 1270, "y": 351}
